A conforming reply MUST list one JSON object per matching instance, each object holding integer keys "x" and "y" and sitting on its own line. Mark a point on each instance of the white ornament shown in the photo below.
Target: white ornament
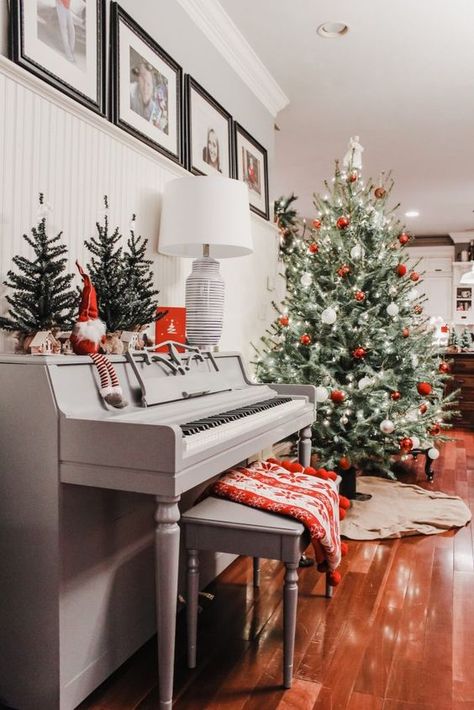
{"x": 433, "y": 453}
{"x": 306, "y": 280}
{"x": 415, "y": 441}
{"x": 387, "y": 426}
{"x": 364, "y": 382}
{"x": 392, "y": 309}
{"x": 357, "y": 252}
{"x": 321, "y": 394}
{"x": 329, "y": 316}
{"x": 343, "y": 420}
{"x": 414, "y": 360}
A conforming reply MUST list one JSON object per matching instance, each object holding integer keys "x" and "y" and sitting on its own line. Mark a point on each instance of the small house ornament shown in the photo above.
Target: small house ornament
{"x": 44, "y": 343}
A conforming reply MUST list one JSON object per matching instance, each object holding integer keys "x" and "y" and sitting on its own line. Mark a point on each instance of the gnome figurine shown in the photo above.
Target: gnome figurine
{"x": 86, "y": 338}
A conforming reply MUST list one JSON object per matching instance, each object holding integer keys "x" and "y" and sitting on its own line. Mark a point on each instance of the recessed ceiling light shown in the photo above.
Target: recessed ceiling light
{"x": 412, "y": 213}
{"x": 333, "y": 29}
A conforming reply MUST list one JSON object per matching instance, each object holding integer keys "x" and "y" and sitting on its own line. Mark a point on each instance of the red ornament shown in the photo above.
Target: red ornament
{"x": 345, "y": 464}
{"x": 406, "y": 332}
{"x": 424, "y": 388}
{"x": 359, "y": 353}
{"x": 342, "y": 222}
{"x": 395, "y": 395}
{"x": 313, "y": 248}
{"x": 401, "y": 270}
{"x": 406, "y": 444}
{"x": 337, "y": 396}
{"x": 414, "y": 276}
{"x": 344, "y": 502}
{"x": 334, "y": 578}
{"x": 443, "y": 367}
{"x": 352, "y": 177}
{"x": 284, "y": 320}
{"x": 404, "y": 238}
{"x": 379, "y": 192}
{"x": 343, "y": 270}
{"x": 359, "y": 296}
{"x": 423, "y": 408}
{"x": 434, "y": 430}
{"x": 305, "y": 339}
{"x": 316, "y": 224}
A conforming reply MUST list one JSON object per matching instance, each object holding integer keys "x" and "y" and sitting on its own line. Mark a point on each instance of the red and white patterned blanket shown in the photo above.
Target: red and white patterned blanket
{"x": 312, "y": 501}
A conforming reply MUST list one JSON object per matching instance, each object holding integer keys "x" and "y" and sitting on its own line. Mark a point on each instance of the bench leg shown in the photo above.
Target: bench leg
{"x": 290, "y": 602}
{"x": 192, "y": 594}
{"x": 304, "y": 446}
{"x": 256, "y": 571}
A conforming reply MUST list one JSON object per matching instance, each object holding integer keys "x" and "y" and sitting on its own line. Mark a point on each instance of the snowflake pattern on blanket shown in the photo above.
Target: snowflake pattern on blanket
{"x": 310, "y": 500}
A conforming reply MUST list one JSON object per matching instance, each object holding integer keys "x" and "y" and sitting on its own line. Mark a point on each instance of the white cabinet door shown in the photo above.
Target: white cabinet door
{"x": 439, "y": 292}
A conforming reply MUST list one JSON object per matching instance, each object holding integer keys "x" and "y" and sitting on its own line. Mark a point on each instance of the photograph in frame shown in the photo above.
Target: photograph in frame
{"x": 146, "y": 87}
{"x": 62, "y": 42}
{"x": 252, "y": 168}
{"x": 208, "y": 132}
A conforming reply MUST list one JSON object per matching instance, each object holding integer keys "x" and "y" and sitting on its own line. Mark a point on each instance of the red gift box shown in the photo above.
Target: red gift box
{"x": 172, "y": 326}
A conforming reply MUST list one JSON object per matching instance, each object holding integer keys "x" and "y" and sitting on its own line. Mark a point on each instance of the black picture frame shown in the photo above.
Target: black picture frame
{"x": 251, "y": 167}
{"x": 161, "y": 128}
{"x": 208, "y": 132}
{"x": 48, "y": 44}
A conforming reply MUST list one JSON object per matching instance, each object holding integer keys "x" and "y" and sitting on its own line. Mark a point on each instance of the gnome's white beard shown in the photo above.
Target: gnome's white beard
{"x": 92, "y": 330}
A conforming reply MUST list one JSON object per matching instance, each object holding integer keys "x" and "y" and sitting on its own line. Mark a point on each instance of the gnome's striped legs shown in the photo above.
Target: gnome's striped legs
{"x": 109, "y": 384}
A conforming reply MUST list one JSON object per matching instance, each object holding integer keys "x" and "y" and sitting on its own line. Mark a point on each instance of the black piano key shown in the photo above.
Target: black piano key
{"x": 232, "y": 415}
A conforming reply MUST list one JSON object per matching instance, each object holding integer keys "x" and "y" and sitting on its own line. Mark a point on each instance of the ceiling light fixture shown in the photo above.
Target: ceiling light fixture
{"x": 332, "y": 29}
{"x": 412, "y": 213}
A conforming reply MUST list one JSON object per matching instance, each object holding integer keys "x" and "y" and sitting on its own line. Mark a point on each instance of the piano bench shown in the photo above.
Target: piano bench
{"x": 224, "y": 526}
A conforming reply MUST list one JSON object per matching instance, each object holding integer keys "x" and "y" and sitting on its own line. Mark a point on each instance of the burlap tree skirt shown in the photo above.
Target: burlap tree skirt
{"x": 399, "y": 509}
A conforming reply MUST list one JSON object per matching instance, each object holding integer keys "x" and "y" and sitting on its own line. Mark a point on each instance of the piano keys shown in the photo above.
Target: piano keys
{"x": 190, "y": 417}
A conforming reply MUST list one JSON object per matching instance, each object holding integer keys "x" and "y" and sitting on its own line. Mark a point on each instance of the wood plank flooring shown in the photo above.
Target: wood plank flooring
{"x": 397, "y": 635}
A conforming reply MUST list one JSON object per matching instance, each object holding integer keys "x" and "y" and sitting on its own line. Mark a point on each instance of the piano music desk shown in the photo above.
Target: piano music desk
{"x": 60, "y": 442}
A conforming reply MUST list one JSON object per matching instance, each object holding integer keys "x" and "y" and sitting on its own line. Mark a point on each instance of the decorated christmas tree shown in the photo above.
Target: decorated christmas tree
{"x": 352, "y": 324}
{"x": 42, "y": 298}
{"x": 142, "y": 297}
{"x": 122, "y": 278}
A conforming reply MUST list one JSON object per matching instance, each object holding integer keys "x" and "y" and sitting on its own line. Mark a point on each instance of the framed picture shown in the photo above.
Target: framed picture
{"x": 208, "y": 132}
{"x": 62, "y": 42}
{"x": 252, "y": 168}
{"x": 146, "y": 87}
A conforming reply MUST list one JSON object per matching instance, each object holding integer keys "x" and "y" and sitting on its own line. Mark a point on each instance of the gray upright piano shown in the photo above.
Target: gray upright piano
{"x": 89, "y": 505}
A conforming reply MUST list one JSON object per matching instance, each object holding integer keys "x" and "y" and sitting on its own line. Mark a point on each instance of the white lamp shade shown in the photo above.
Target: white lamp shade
{"x": 205, "y": 210}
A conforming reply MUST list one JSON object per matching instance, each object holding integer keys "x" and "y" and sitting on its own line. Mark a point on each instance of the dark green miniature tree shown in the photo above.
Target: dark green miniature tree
{"x": 142, "y": 297}
{"x": 122, "y": 278}
{"x": 43, "y": 298}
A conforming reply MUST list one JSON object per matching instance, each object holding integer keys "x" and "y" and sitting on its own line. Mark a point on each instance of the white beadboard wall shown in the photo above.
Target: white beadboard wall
{"x": 51, "y": 144}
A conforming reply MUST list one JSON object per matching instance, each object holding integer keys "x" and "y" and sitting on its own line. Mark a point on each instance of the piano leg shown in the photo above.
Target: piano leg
{"x": 166, "y": 580}
{"x": 304, "y": 446}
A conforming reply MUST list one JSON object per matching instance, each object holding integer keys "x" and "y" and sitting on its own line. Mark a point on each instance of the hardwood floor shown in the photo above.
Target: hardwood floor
{"x": 397, "y": 635}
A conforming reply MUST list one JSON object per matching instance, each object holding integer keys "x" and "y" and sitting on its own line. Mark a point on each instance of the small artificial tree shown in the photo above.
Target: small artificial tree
{"x": 352, "y": 324}
{"x": 107, "y": 274}
{"x": 142, "y": 297}
{"x": 43, "y": 299}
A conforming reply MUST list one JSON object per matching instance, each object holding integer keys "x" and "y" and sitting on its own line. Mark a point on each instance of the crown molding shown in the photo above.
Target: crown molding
{"x": 462, "y": 237}
{"x": 217, "y": 26}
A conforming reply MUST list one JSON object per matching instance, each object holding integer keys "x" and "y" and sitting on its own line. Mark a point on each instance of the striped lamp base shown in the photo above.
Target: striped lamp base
{"x": 204, "y": 303}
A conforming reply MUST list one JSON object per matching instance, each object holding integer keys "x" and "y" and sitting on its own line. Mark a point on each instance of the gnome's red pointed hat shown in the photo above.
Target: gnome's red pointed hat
{"x": 88, "y": 309}
{"x": 89, "y": 331}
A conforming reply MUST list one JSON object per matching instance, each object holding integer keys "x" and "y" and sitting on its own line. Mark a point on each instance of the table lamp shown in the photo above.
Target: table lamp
{"x": 205, "y": 217}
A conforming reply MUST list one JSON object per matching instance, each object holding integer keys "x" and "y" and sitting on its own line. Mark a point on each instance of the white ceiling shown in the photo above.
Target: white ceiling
{"x": 402, "y": 79}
